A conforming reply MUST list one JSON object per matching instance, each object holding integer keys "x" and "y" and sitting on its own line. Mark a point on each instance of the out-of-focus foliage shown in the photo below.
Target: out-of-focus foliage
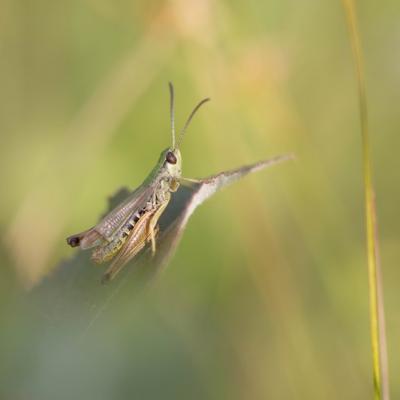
{"x": 267, "y": 294}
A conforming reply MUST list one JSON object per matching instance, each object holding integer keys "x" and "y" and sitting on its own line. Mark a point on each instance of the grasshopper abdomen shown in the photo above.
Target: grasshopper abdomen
{"x": 107, "y": 252}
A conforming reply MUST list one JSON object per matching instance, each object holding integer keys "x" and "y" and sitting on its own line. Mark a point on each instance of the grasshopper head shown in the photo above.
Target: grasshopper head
{"x": 172, "y": 162}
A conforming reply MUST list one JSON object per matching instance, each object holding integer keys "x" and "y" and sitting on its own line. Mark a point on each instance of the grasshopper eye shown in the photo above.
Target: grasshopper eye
{"x": 171, "y": 158}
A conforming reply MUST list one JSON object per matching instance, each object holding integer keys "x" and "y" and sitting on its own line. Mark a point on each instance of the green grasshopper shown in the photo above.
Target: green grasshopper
{"x": 123, "y": 232}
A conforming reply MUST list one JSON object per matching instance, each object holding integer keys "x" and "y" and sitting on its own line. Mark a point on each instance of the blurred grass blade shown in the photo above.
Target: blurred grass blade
{"x": 377, "y": 319}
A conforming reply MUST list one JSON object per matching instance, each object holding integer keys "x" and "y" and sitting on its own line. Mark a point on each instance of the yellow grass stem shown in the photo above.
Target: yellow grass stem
{"x": 378, "y": 336}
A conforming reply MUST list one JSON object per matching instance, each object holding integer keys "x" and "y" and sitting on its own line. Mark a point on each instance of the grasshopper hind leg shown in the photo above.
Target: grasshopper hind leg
{"x": 116, "y": 267}
{"x": 153, "y": 224}
{"x": 125, "y": 256}
{"x": 145, "y": 231}
{"x": 140, "y": 235}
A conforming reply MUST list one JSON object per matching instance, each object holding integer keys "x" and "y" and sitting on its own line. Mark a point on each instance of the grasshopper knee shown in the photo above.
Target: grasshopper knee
{"x": 74, "y": 241}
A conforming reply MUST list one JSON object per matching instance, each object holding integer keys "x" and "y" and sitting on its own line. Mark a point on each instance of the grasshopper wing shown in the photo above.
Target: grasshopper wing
{"x": 104, "y": 230}
{"x": 115, "y": 218}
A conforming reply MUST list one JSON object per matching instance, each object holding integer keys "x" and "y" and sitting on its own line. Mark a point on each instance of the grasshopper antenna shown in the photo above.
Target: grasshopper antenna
{"x": 189, "y": 119}
{"x": 172, "y": 112}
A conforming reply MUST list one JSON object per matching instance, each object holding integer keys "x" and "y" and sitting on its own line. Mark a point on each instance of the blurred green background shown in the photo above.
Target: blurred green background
{"x": 267, "y": 294}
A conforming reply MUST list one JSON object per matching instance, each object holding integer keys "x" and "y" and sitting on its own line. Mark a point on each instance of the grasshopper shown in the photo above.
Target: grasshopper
{"x": 126, "y": 230}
